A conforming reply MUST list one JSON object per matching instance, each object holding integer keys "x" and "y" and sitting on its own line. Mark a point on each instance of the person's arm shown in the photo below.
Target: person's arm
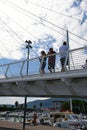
{"x": 83, "y": 66}
{"x": 40, "y": 58}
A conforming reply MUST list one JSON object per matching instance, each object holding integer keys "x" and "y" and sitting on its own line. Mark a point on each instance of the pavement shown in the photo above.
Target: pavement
{"x": 4, "y": 128}
{"x": 7, "y": 125}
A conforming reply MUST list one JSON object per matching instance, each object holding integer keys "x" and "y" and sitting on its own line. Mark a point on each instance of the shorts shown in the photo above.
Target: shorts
{"x": 62, "y": 60}
{"x": 43, "y": 65}
{"x": 51, "y": 65}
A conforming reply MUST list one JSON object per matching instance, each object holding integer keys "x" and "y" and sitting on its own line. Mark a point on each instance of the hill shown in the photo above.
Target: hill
{"x": 47, "y": 103}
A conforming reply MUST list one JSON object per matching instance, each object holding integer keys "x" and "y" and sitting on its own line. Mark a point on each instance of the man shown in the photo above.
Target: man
{"x": 51, "y": 60}
{"x": 85, "y": 65}
{"x": 63, "y": 53}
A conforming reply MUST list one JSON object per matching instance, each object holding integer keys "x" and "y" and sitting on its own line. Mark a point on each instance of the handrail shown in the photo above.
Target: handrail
{"x": 77, "y": 58}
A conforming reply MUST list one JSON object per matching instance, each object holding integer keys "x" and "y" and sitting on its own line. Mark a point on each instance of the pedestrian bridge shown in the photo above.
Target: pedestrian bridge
{"x": 22, "y": 78}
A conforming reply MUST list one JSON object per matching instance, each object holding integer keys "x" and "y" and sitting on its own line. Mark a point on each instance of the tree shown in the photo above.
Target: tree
{"x": 41, "y": 104}
{"x": 78, "y": 106}
{"x": 16, "y": 104}
{"x": 65, "y": 106}
{"x": 21, "y": 106}
{"x": 34, "y": 107}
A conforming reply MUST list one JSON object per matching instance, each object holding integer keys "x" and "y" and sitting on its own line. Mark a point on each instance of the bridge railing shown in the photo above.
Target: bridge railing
{"x": 76, "y": 58}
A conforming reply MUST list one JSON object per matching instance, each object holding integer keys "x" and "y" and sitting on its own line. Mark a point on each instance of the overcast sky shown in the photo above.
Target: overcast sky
{"x": 22, "y": 20}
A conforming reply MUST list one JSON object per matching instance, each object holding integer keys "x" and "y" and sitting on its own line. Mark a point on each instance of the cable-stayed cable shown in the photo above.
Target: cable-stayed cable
{"x": 42, "y": 18}
{"x": 78, "y": 36}
{"x": 8, "y": 31}
{"x": 35, "y": 15}
{"x": 5, "y": 48}
{"x": 54, "y": 11}
{"x": 12, "y": 30}
{"x": 57, "y": 31}
{"x": 18, "y": 24}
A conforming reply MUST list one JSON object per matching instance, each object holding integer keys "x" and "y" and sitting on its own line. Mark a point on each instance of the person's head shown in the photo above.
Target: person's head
{"x": 64, "y": 43}
{"x": 51, "y": 49}
{"x": 43, "y": 53}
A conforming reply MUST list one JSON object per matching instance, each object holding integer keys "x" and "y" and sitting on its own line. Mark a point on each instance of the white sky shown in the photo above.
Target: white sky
{"x": 22, "y": 20}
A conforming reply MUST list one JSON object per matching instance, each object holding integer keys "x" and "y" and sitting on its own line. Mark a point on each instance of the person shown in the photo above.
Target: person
{"x": 42, "y": 60}
{"x": 34, "y": 118}
{"x": 63, "y": 53}
{"x": 85, "y": 65}
{"x": 51, "y": 60}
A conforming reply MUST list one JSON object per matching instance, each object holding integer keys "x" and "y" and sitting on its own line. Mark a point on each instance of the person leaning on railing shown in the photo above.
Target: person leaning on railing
{"x": 85, "y": 65}
{"x": 42, "y": 60}
{"x": 51, "y": 60}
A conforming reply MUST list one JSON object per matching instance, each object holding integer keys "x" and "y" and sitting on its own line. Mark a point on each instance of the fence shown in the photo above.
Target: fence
{"x": 76, "y": 58}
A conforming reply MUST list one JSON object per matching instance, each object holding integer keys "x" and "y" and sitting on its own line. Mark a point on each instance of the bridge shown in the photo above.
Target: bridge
{"x": 22, "y": 78}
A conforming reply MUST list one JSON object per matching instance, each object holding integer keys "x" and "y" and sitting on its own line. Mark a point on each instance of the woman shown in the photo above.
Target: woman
{"x": 51, "y": 60}
{"x": 42, "y": 61}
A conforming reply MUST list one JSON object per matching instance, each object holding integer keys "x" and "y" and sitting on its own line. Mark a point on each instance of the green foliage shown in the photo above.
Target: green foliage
{"x": 34, "y": 107}
{"x": 78, "y": 106}
{"x": 41, "y": 104}
{"x": 65, "y": 106}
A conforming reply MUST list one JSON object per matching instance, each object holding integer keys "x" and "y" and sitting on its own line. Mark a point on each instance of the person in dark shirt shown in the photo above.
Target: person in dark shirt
{"x": 85, "y": 65}
{"x": 51, "y": 60}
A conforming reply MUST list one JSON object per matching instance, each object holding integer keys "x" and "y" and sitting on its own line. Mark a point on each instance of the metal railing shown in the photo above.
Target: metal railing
{"x": 76, "y": 57}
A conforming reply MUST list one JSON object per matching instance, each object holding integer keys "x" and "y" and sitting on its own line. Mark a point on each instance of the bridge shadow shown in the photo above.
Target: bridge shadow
{"x": 4, "y": 128}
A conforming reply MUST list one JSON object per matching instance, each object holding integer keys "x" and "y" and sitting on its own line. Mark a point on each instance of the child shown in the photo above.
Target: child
{"x": 42, "y": 61}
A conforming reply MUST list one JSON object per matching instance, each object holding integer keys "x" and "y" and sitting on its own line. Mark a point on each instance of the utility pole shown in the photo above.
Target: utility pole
{"x": 25, "y": 103}
{"x": 71, "y": 107}
{"x": 28, "y": 47}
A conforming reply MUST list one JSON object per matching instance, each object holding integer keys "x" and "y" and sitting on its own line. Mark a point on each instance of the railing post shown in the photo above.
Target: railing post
{"x": 7, "y": 70}
{"x": 22, "y": 68}
{"x": 68, "y": 57}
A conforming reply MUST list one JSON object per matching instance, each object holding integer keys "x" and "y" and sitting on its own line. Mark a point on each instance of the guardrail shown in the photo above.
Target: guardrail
{"x": 76, "y": 57}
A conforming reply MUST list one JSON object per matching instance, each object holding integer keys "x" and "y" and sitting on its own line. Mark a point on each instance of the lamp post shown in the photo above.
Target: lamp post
{"x": 28, "y": 47}
{"x": 67, "y": 32}
{"x": 25, "y": 103}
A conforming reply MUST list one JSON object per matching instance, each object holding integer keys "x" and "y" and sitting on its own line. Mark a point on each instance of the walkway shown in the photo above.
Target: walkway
{"x": 5, "y": 125}
{"x": 15, "y": 81}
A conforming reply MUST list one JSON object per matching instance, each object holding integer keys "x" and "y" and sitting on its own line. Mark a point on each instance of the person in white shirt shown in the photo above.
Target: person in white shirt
{"x": 63, "y": 53}
{"x": 85, "y": 65}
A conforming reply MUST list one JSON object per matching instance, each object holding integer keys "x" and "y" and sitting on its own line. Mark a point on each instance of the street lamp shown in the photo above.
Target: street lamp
{"x": 28, "y": 47}
{"x": 25, "y": 103}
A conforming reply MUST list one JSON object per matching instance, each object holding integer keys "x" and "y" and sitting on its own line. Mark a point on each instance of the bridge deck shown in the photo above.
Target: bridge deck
{"x": 14, "y": 81}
